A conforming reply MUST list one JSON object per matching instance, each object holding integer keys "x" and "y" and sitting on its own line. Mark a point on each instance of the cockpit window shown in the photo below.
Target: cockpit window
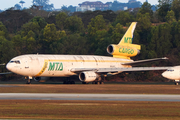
{"x": 16, "y": 61}
{"x": 170, "y": 70}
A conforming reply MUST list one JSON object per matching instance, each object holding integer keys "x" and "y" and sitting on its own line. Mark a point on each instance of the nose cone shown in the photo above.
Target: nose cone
{"x": 9, "y": 67}
{"x": 168, "y": 75}
{"x": 164, "y": 74}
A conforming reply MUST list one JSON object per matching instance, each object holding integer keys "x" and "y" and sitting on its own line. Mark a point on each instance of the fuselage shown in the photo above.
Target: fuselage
{"x": 173, "y": 73}
{"x": 60, "y": 65}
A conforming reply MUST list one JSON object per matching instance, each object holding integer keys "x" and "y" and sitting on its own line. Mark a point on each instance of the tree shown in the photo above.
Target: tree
{"x": 176, "y": 8}
{"x": 30, "y": 26}
{"x": 14, "y": 19}
{"x": 124, "y": 17}
{"x": 40, "y": 2}
{"x": 170, "y": 17}
{"x": 97, "y": 23}
{"x": 17, "y": 7}
{"x": 44, "y": 3}
{"x": 176, "y": 32}
{"x": 154, "y": 43}
{"x": 163, "y": 7}
{"x": 22, "y": 2}
{"x": 143, "y": 27}
{"x": 117, "y": 33}
{"x": 72, "y": 44}
{"x": 74, "y": 24}
{"x": 60, "y": 20}
{"x": 146, "y": 8}
{"x": 164, "y": 39}
{"x": 50, "y": 33}
{"x": 3, "y": 30}
{"x": 6, "y": 50}
{"x": 18, "y": 44}
{"x": 41, "y": 22}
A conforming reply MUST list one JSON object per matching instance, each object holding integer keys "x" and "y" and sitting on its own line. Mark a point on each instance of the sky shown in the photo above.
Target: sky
{"x": 5, "y": 4}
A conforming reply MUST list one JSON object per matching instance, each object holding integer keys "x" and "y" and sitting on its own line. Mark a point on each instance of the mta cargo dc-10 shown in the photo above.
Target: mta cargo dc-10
{"x": 89, "y": 68}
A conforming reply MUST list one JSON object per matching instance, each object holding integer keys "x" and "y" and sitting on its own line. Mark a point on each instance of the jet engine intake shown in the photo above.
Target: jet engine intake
{"x": 88, "y": 76}
{"x": 121, "y": 50}
{"x": 37, "y": 79}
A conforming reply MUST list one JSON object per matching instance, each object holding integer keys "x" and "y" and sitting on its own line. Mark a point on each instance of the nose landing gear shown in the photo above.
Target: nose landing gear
{"x": 28, "y": 80}
{"x": 176, "y": 82}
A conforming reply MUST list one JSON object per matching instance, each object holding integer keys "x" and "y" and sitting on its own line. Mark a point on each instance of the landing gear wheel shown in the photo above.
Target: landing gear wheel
{"x": 72, "y": 82}
{"x": 68, "y": 82}
{"x": 100, "y": 80}
{"x": 84, "y": 83}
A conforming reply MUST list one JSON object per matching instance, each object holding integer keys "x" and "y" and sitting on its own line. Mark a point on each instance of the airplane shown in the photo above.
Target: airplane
{"x": 173, "y": 73}
{"x": 89, "y": 68}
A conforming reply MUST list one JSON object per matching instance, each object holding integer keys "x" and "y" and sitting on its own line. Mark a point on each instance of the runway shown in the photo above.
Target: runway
{"x": 100, "y": 97}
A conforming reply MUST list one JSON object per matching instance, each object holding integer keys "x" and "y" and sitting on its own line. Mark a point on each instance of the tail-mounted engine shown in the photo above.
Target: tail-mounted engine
{"x": 124, "y": 51}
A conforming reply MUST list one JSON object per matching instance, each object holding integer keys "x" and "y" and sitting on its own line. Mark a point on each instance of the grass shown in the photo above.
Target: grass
{"x": 100, "y": 110}
{"x": 52, "y": 109}
{"x": 101, "y": 89}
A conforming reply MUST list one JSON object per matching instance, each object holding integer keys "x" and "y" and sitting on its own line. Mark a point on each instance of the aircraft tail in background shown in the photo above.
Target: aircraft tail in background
{"x": 125, "y": 48}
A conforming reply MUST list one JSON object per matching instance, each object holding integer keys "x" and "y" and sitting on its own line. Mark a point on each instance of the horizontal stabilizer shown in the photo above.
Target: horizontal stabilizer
{"x": 6, "y": 73}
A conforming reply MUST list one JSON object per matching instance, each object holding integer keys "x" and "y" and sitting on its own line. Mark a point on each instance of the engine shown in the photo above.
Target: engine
{"x": 130, "y": 50}
{"x": 37, "y": 79}
{"x": 88, "y": 76}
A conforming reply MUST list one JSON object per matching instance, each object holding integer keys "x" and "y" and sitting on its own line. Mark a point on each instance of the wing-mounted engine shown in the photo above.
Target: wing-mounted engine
{"x": 88, "y": 76}
{"x": 38, "y": 79}
{"x": 124, "y": 51}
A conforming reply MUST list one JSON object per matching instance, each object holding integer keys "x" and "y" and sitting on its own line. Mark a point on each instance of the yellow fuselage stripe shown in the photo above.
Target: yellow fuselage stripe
{"x": 46, "y": 63}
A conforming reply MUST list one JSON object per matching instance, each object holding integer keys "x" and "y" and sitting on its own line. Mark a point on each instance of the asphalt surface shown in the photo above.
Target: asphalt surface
{"x": 103, "y": 97}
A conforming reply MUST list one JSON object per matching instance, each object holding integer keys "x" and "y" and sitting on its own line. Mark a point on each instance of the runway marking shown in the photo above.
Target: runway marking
{"x": 100, "y": 97}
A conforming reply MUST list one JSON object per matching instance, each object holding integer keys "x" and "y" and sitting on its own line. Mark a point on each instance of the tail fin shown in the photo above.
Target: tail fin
{"x": 128, "y": 36}
{"x": 125, "y": 48}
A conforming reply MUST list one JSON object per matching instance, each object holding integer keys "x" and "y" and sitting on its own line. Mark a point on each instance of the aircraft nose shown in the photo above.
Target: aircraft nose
{"x": 9, "y": 67}
{"x": 165, "y": 74}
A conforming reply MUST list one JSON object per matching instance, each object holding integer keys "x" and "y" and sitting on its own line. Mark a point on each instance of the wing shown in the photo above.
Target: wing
{"x": 5, "y": 73}
{"x": 114, "y": 70}
{"x": 140, "y": 62}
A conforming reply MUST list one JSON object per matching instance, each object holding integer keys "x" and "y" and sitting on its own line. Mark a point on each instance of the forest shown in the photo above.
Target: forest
{"x": 35, "y": 31}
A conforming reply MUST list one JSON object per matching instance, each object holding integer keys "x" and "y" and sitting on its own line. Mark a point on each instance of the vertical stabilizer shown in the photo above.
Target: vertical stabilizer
{"x": 125, "y": 48}
{"x": 128, "y": 36}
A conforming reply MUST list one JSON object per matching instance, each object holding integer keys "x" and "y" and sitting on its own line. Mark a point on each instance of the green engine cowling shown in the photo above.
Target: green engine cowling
{"x": 124, "y": 51}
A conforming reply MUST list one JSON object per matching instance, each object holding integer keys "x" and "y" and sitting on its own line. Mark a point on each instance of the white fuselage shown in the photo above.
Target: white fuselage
{"x": 60, "y": 65}
{"x": 173, "y": 73}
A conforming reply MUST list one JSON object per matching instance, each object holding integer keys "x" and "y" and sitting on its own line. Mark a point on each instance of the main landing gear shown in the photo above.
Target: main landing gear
{"x": 68, "y": 81}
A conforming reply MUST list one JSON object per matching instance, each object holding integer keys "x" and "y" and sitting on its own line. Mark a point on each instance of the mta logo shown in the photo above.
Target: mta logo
{"x": 55, "y": 66}
{"x": 128, "y": 40}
